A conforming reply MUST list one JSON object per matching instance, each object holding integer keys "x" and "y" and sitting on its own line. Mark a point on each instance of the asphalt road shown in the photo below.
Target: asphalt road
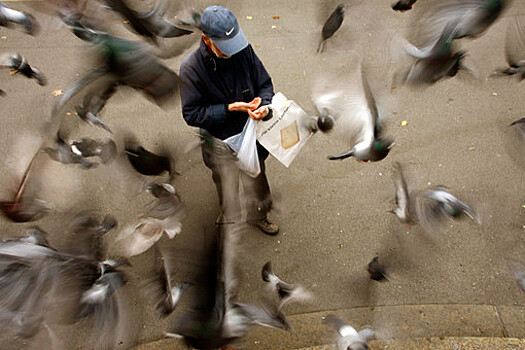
{"x": 332, "y": 214}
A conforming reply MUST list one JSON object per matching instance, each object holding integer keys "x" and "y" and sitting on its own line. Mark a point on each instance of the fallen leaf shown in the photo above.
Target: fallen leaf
{"x": 69, "y": 113}
{"x": 404, "y": 123}
{"x": 393, "y": 88}
{"x": 13, "y": 72}
{"x": 3, "y": 37}
{"x": 249, "y": 17}
{"x": 126, "y": 21}
{"x": 275, "y": 17}
{"x": 57, "y": 92}
{"x": 257, "y": 45}
{"x": 471, "y": 148}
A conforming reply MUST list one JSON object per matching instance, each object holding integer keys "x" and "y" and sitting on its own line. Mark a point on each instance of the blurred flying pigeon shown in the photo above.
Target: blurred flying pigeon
{"x": 376, "y": 270}
{"x": 87, "y": 147}
{"x": 430, "y": 207}
{"x": 64, "y": 154}
{"x": 26, "y": 206}
{"x": 146, "y": 162}
{"x": 403, "y": 5}
{"x": 356, "y": 114}
{"x": 473, "y": 18}
{"x": 518, "y": 270}
{"x": 18, "y": 64}
{"x": 433, "y": 62}
{"x": 160, "y": 289}
{"x": 93, "y": 103}
{"x": 332, "y": 24}
{"x": 35, "y": 235}
{"x": 514, "y": 51}
{"x": 348, "y": 337}
{"x": 25, "y": 19}
{"x": 286, "y": 292}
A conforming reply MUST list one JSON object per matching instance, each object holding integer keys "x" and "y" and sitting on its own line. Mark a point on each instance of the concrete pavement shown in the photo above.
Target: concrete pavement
{"x": 333, "y": 215}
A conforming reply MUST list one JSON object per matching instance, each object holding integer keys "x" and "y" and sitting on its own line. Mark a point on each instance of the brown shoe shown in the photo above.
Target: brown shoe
{"x": 266, "y": 226}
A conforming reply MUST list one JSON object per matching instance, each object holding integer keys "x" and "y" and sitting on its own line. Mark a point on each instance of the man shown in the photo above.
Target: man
{"x": 223, "y": 83}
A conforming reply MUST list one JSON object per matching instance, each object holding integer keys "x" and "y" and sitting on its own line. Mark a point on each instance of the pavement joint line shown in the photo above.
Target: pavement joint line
{"x": 504, "y": 329}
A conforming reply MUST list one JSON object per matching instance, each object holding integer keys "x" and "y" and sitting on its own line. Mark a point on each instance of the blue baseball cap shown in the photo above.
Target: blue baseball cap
{"x": 221, "y": 26}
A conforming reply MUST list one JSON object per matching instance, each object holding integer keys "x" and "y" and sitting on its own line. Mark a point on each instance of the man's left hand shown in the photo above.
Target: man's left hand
{"x": 259, "y": 113}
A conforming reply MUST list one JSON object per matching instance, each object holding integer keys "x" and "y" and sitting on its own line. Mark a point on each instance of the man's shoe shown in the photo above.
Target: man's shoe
{"x": 266, "y": 226}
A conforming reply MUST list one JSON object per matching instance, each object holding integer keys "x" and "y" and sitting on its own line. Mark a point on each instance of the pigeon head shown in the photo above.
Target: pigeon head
{"x": 325, "y": 122}
{"x": 381, "y": 148}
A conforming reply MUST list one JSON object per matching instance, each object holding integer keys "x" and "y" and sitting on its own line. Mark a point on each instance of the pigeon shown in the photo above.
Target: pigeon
{"x": 403, "y": 5}
{"x": 515, "y": 141}
{"x": 286, "y": 292}
{"x": 25, "y": 206}
{"x": 349, "y": 338}
{"x": 356, "y": 113}
{"x": 18, "y": 64}
{"x": 332, "y": 24}
{"x": 156, "y": 22}
{"x": 517, "y": 269}
{"x": 405, "y": 210}
{"x": 42, "y": 286}
{"x": 35, "y": 235}
{"x": 376, "y": 270}
{"x": 64, "y": 154}
{"x": 473, "y": 18}
{"x": 160, "y": 289}
{"x": 514, "y": 51}
{"x": 93, "y": 103}
{"x": 25, "y": 19}
{"x": 214, "y": 319}
{"x": 146, "y": 162}
{"x": 429, "y": 207}
{"x": 87, "y": 147}
{"x": 433, "y": 62}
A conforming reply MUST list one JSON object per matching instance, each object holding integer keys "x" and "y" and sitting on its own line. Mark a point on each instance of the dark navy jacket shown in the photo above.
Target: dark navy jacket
{"x": 209, "y": 83}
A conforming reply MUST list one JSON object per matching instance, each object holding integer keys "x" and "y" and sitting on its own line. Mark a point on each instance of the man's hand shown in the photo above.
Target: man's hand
{"x": 246, "y": 107}
{"x": 259, "y": 113}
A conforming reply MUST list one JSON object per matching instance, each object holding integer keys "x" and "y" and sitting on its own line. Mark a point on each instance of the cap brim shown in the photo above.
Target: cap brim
{"x": 232, "y": 45}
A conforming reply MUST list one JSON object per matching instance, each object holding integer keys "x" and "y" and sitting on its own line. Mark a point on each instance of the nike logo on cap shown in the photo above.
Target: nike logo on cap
{"x": 230, "y": 31}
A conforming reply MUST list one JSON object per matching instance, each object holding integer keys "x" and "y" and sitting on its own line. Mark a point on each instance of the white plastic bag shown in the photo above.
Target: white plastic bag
{"x": 245, "y": 147}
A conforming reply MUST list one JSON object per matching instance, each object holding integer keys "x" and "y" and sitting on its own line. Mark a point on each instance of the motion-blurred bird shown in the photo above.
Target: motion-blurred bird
{"x": 349, "y": 338}
{"x": 87, "y": 147}
{"x": 403, "y": 5}
{"x": 26, "y": 206}
{"x": 146, "y": 162}
{"x": 93, "y": 103}
{"x": 18, "y": 64}
{"x": 160, "y": 289}
{"x": 34, "y": 235}
{"x": 376, "y": 270}
{"x": 473, "y": 18}
{"x": 518, "y": 269}
{"x": 434, "y": 62}
{"x": 405, "y": 205}
{"x": 8, "y": 15}
{"x": 332, "y": 24}
{"x": 64, "y": 154}
{"x": 514, "y": 50}
{"x": 286, "y": 292}
{"x": 352, "y": 105}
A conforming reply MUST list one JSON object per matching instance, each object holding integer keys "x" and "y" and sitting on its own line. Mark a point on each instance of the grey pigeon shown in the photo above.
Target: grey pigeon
{"x": 429, "y": 207}
{"x": 35, "y": 235}
{"x": 157, "y": 23}
{"x": 286, "y": 292}
{"x": 93, "y": 103}
{"x": 348, "y": 337}
{"x": 332, "y": 24}
{"x": 8, "y": 15}
{"x": 18, "y": 64}
{"x": 356, "y": 113}
{"x": 87, "y": 147}
{"x": 376, "y": 270}
{"x": 514, "y": 50}
{"x": 434, "y": 62}
{"x": 403, "y": 5}
{"x": 160, "y": 289}
{"x": 64, "y": 154}
{"x": 473, "y": 18}
{"x": 517, "y": 268}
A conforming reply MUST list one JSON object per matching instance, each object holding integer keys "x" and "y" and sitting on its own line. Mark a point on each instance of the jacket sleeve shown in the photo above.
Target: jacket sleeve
{"x": 262, "y": 81}
{"x": 195, "y": 109}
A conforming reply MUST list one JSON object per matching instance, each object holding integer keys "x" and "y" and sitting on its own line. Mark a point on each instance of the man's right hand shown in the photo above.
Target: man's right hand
{"x": 245, "y": 106}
